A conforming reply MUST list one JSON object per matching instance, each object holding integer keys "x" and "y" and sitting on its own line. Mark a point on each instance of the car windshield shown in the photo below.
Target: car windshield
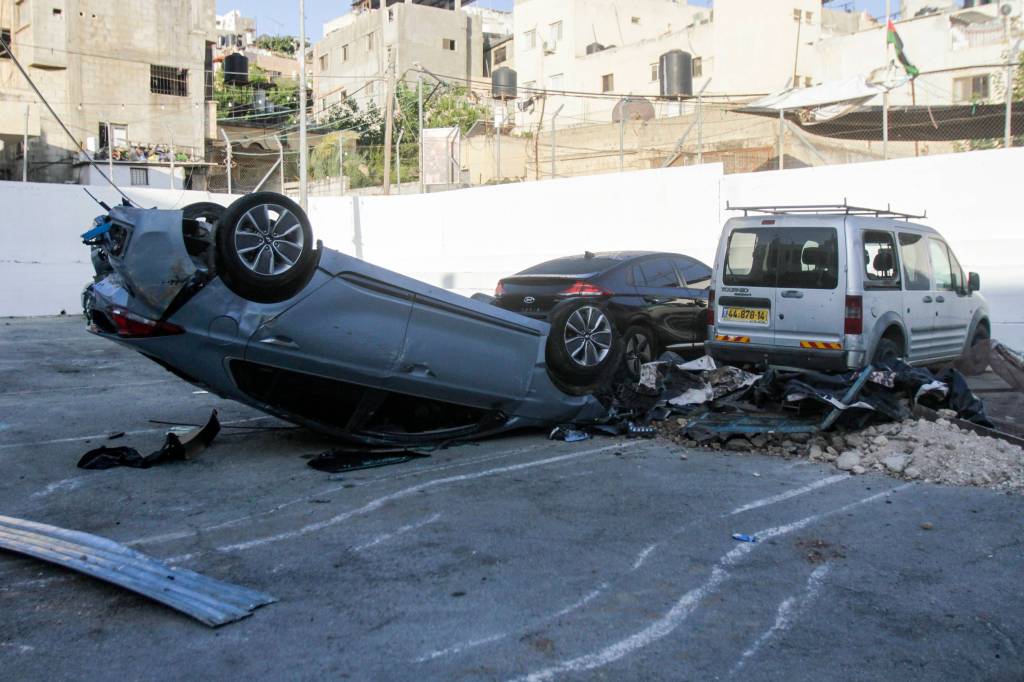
{"x": 799, "y": 258}
{"x": 574, "y": 265}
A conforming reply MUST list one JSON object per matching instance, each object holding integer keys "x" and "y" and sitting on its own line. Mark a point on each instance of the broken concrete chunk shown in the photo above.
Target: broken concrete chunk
{"x": 848, "y": 460}
{"x": 896, "y": 463}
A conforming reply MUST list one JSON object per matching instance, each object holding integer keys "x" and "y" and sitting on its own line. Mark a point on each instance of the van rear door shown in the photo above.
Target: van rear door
{"x": 745, "y": 302}
{"x": 810, "y": 304}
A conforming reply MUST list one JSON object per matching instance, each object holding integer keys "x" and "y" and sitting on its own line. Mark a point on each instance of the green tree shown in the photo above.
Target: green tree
{"x": 283, "y": 45}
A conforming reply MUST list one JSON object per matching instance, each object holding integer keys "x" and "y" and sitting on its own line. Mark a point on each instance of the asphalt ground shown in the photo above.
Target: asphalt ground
{"x": 515, "y": 558}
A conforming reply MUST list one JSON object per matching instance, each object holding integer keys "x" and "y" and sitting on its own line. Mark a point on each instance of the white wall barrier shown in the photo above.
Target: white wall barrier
{"x": 467, "y": 240}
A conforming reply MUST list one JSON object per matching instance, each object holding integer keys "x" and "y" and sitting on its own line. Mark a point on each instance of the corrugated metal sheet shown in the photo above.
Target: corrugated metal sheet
{"x": 210, "y": 601}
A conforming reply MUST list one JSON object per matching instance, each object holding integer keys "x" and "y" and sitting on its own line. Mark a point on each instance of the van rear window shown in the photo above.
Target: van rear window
{"x": 795, "y": 258}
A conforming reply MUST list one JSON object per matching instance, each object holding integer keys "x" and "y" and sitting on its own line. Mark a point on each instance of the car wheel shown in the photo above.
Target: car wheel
{"x": 265, "y": 247}
{"x": 638, "y": 349}
{"x": 204, "y": 212}
{"x": 980, "y": 334}
{"x": 887, "y": 350}
{"x": 584, "y": 349}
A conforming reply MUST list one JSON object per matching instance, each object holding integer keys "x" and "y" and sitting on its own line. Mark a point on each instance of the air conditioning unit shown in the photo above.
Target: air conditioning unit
{"x": 550, "y": 47}
{"x": 1009, "y": 8}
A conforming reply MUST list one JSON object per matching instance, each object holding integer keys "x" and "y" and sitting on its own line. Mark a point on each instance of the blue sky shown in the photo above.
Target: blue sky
{"x": 282, "y": 16}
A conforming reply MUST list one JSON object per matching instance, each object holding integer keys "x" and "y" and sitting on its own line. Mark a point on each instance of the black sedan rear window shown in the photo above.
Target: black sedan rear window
{"x": 573, "y": 265}
{"x": 798, "y": 258}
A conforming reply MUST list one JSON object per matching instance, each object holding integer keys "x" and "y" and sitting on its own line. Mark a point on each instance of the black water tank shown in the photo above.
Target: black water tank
{"x": 675, "y": 70}
{"x": 595, "y": 47}
{"x": 236, "y": 69}
{"x": 504, "y": 84}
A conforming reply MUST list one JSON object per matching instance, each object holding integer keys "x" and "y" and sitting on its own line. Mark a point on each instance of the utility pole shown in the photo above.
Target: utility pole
{"x": 389, "y": 102}
{"x": 341, "y": 161}
{"x": 227, "y": 141}
{"x": 888, "y": 74}
{"x": 280, "y": 162}
{"x": 1007, "y": 132}
{"x": 700, "y": 126}
{"x": 499, "y": 120}
{"x": 553, "y": 133}
{"x": 780, "y": 147}
{"x": 419, "y": 97}
{"x": 24, "y": 145}
{"x": 110, "y": 156}
{"x": 398, "y": 158}
{"x": 303, "y": 146}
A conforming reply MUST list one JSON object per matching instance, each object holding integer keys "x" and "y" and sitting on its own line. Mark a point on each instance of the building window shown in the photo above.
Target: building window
{"x": 391, "y": 14}
{"x": 697, "y": 67}
{"x": 608, "y": 82}
{"x": 798, "y": 14}
{"x": 448, "y": 44}
{"x": 654, "y": 72}
{"x": 344, "y": 53}
{"x": 807, "y": 81}
{"x": 168, "y": 80}
{"x": 140, "y": 177}
{"x": 369, "y": 42}
{"x": 5, "y": 34}
{"x": 808, "y": 17}
{"x": 635, "y": 21}
{"x": 530, "y": 38}
{"x": 500, "y": 55}
{"x": 118, "y": 130}
{"x": 971, "y": 89}
{"x": 555, "y": 33}
{"x": 324, "y": 62}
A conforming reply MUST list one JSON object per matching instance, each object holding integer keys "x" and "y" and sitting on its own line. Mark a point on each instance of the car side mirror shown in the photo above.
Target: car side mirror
{"x": 973, "y": 282}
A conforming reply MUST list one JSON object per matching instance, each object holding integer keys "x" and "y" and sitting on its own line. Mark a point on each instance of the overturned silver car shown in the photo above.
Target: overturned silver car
{"x": 242, "y": 301}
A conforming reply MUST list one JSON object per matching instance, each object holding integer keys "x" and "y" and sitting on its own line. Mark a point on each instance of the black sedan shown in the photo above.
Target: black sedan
{"x": 604, "y": 307}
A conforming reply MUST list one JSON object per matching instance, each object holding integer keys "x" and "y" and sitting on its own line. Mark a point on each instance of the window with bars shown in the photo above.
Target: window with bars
{"x": 140, "y": 177}
{"x": 168, "y": 80}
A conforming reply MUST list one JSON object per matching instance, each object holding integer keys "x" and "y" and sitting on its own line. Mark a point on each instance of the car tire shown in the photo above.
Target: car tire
{"x": 584, "y": 349}
{"x": 265, "y": 247}
{"x": 204, "y": 211}
{"x": 638, "y": 347}
{"x": 886, "y": 350}
{"x": 981, "y": 333}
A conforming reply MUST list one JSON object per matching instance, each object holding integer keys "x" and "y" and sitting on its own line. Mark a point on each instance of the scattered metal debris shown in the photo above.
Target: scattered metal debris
{"x": 173, "y": 449}
{"x": 207, "y": 600}
{"x": 353, "y": 459}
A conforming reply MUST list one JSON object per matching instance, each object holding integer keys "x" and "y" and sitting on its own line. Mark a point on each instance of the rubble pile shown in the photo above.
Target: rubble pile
{"x": 915, "y": 449}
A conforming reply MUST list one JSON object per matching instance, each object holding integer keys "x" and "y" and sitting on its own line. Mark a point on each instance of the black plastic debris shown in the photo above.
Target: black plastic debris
{"x": 173, "y": 449}
{"x": 341, "y": 460}
{"x": 568, "y": 434}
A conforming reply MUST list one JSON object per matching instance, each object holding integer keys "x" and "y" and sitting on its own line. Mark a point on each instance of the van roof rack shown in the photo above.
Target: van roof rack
{"x": 825, "y": 209}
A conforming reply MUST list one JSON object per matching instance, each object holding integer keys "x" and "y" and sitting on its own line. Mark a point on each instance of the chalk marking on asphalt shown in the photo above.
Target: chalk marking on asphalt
{"x": 587, "y": 598}
{"x": 459, "y": 648}
{"x": 104, "y": 436}
{"x": 689, "y": 602}
{"x": 20, "y": 648}
{"x": 381, "y": 501}
{"x": 180, "y": 535}
{"x": 788, "y": 611}
{"x": 781, "y": 497}
{"x": 67, "y": 485}
{"x": 642, "y": 557}
{"x": 384, "y": 537}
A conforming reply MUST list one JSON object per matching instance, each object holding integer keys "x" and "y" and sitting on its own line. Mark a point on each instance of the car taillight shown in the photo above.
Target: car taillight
{"x": 130, "y": 325}
{"x": 499, "y": 290}
{"x": 711, "y": 308}
{"x": 854, "y": 322}
{"x": 585, "y": 289}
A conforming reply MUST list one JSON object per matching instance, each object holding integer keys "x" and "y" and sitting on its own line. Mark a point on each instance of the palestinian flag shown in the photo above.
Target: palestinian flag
{"x": 897, "y": 42}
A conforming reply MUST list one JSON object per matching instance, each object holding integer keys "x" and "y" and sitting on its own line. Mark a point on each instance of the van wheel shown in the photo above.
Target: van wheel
{"x": 886, "y": 351}
{"x": 265, "y": 247}
{"x": 980, "y": 334}
{"x": 584, "y": 349}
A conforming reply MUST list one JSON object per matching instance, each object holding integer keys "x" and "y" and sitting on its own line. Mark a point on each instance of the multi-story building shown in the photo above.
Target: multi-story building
{"x": 352, "y": 59}
{"x": 235, "y": 30}
{"x": 128, "y": 78}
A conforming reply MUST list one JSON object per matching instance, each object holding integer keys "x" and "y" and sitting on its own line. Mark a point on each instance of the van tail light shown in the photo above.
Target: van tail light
{"x": 585, "y": 289}
{"x": 854, "y": 323}
{"x": 130, "y": 325}
{"x": 499, "y": 290}
{"x": 711, "y": 308}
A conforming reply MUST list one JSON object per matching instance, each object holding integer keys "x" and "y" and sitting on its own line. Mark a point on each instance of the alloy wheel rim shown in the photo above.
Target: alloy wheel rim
{"x": 588, "y": 336}
{"x": 269, "y": 240}
{"x": 638, "y": 353}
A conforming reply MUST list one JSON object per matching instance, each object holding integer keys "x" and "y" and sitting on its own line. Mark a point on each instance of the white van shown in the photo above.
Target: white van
{"x": 834, "y": 287}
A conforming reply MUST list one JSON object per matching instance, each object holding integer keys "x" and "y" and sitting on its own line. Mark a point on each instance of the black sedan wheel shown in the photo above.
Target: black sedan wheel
{"x": 639, "y": 349}
{"x": 265, "y": 247}
{"x": 584, "y": 348}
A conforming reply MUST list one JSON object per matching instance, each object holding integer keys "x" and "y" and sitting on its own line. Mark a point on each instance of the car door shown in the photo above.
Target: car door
{"x": 951, "y": 318}
{"x": 669, "y": 307}
{"x": 883, "y": 291}
{"x": 696, "y": 278}
{"x": 810, "y": 295}
{"x": 918, "y": 297}
{"x": 351, "y": 329}
{"x": 746, "y": 301}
